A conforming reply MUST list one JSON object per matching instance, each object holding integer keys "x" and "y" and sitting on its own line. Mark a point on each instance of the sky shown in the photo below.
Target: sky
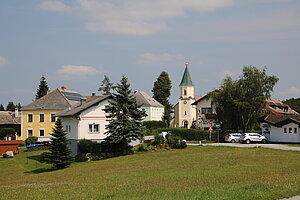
{"x": 74, "y": 43}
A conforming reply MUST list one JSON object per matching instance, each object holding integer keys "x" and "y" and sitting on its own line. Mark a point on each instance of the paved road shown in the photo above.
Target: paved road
{"x": 271, "y": 146}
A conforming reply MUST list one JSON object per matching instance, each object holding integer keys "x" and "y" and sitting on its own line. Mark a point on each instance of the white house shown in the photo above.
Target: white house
{"x": 205, "y": 112}
{"x": 153, "y": 108}
{"x": 85, "y": 120}
{"x": 281, "y": 128}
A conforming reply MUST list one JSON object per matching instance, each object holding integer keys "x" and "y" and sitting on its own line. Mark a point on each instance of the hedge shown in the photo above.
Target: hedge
{"x": 151, "y": 125}
{"x": 189, "y": 134}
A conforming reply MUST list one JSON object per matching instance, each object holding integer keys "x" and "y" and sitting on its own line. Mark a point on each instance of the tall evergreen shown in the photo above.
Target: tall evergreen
{"x": 125, "y": 117}
{"x": 161, "y": 92}
{"x": 10, "y": 106}
{"x": 43, "y": 88}
{"x": 59, "y": 155}
{"x": 2, "y": 107}
{"x": 106, "y": 86}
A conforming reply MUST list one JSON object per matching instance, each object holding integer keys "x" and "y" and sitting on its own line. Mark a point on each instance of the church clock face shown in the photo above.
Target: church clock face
{"x": 185, "y": 102}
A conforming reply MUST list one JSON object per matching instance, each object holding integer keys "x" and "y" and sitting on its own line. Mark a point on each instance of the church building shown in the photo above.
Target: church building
{"x": 184, "y": 111}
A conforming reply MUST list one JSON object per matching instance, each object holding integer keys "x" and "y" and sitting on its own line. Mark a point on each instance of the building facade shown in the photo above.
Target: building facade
{"x": 38, "y": 117}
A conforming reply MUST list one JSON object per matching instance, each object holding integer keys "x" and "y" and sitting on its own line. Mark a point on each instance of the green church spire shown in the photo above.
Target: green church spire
{"x": 186, "y": 78}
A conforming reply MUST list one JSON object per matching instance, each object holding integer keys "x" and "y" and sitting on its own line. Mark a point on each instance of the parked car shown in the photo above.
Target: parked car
{"x": 252, "y": 137}
{"x": 233, "y": 137}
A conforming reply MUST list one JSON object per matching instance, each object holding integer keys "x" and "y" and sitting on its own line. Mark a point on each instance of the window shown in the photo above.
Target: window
{"x": 290, "y": 130}
{"x": 42, "y": 132}
{"x": 206, "y": 110}
{"x": 30, "y": 117}
{"x": 93, "y": 128}
{"x": 69, "y": 128}
{"x": 30, "y": 133}
{"x": 284, "y": 130}
{"x": 184, "y": 112}
{"x": 42, "y": 117}
{"x": 295, "y": 130}
{"x": 52, "y": 117}
{"x": 184, "y": 92}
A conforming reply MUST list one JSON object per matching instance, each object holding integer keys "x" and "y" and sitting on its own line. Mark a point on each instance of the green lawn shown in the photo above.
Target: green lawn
{"x": 198, "y": 172}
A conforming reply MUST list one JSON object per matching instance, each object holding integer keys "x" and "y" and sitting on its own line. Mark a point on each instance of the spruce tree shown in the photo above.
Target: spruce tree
{"x": 161, "y": 92}
{"x": 59, "y": 155}
{"x": 43, "y": 88}
{"x": 2, "y": 107}
{"x": 10, "y": 106}
{"x": 125, "y": 117}
{"x": 106, "y": 86}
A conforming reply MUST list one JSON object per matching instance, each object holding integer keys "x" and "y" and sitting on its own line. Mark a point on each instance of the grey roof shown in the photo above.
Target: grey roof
{"x": 8, "y": 117}
{"x": 142, "y": 98}
{"x": 78, "y": 108}
{"x": 186, "y": 78}
{"x": 58, "y": 99}
{"x": 280, "y": 120}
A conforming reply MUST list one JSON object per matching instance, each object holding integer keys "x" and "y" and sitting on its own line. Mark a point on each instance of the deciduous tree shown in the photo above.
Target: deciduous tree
{"x": 242, "y": 101}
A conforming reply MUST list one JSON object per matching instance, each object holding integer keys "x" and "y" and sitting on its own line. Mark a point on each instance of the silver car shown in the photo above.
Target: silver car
{"x": 252, "y": 137}
{"x": 233, "y": 137}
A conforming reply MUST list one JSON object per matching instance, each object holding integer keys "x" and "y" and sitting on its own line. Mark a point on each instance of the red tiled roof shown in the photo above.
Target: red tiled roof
{"x": 11, "y": 142}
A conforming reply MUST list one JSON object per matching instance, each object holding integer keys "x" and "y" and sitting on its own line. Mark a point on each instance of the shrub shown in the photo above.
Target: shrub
{"x": 151, "y": 125}
{"x": 175, "y": 142}
{"x": 189, "y": 134}
{"x": 143, "y": 147}
{"x": 159, "y": 140}
{"x": 88, "y": 146}
{"x": 31, "y": 140}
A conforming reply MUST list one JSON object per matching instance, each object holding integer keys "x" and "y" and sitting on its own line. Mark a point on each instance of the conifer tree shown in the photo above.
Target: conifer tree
{"x": 2, "y": 107}
{"x": 10, "y": 106}
{"x": 106, "y": 86}
{"x": 161, "y": 92}
{"x": 43, "y": 88}
{"x": 59, "y": 155}
{"x": 125, "y": 117}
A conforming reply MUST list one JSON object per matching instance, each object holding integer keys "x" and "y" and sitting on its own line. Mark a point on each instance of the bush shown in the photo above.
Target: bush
{"x": 158, "y": 140}
{"x": 31, "y": 140}
{"x": 151, "y": 125}
{"x": 143, "y": 147}
{"x": 88, "y": 146}
{"x": 189, "y": 134}
{"x": 175, "y": 142}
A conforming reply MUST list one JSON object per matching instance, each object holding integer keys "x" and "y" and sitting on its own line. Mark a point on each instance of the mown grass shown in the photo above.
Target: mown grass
{"x": 198, "y": 172}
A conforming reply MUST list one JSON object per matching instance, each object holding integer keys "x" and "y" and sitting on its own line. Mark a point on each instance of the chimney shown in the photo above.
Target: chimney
{"x": 82, "y": 100}
{"x": 16, "y": 112}
{"x": 63, "y": 87}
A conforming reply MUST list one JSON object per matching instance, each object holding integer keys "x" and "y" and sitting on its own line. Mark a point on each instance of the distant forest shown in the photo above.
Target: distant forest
{"x": 293, "y": 103}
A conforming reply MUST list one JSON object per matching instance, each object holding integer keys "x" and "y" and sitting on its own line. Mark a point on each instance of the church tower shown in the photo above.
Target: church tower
{"x": 185, "y": 113}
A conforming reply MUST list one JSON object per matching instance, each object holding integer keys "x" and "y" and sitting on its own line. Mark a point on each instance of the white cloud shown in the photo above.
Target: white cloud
{"x": 70, "y": 72}
{"x": 161, "y": 59}
{"x": 132, "y": 17}
{"x": 291, "y": 91}
{"x": 54, "y": 5}
{"x": 227, "y": 73}
{"x": 3, "y": 61}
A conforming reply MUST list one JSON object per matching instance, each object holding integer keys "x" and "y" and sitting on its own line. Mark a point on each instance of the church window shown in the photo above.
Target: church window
{"x": 184, "y": 92}
{"x": 184, "y": 112}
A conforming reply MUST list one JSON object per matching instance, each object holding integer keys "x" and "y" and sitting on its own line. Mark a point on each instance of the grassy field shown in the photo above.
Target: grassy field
{"x": 198, "y": 172}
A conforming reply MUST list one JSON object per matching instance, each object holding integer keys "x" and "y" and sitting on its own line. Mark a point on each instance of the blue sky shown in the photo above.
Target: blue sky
{"x": 74, "y": 43}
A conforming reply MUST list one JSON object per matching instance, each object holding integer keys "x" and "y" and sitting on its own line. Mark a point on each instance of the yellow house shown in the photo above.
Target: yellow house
{"x": 38, "y": 117}
{"x": 184, "y": 111}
